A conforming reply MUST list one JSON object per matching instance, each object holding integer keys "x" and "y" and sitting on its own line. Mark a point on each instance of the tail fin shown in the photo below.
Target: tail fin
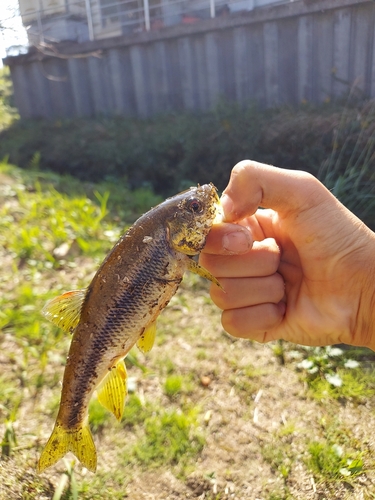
{"x": 78, "y": 440}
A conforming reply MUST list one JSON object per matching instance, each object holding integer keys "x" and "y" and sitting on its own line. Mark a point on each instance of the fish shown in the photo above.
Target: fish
{"x": 119, "y": 309}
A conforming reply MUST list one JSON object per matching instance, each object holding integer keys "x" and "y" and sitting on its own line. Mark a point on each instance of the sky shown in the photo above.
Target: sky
{"x": 16, "y": 35}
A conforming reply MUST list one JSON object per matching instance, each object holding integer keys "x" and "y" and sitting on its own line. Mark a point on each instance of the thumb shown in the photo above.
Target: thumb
{"x": 254, "y": 185}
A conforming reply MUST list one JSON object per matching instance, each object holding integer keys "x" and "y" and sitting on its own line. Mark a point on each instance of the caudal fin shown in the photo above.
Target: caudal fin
{"x": 78, "y": 440}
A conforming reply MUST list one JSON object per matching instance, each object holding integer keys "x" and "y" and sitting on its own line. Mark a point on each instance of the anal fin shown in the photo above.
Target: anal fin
{"x": 112, "y": 390}
{"x": 147, "y": 339}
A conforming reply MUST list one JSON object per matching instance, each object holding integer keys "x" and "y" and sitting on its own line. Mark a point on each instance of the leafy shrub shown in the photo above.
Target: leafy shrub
{"x": 171, "y": 152}
{"x": 167, "y": 153}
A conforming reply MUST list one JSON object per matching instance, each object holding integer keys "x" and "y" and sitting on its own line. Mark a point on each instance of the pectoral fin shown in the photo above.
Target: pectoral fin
{"x": 65, "y": 310}
{"x": 112, "y": 390}
{"x": 194, "y": 267}
{"x": 147, "y": 339}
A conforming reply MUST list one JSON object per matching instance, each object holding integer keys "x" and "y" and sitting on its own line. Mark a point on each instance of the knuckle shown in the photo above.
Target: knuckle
{"x": 278, "y": 286}
{"x": 272, "y": 316}
{"x": 273, "y": 254}
{"x": 232, "y": 323}
{"x": 219, "y": 298}
{"x": 241, "y": 167}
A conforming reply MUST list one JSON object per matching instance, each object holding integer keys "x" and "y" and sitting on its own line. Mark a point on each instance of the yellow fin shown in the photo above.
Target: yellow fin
{"x": 65, "y": 310}
{"x": 112, "y": 390}
{"x": 78, "y": 440}
{"x": 147, "y": 339}
{"x": 194, "y": 267}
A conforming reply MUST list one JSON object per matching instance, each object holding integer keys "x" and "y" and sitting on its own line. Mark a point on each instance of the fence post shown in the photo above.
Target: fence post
{"x": 212, "y": 8}
{"x": 40, "y": 28}
{"x": 146, "y": 8}
{"x": 89, "y": 20}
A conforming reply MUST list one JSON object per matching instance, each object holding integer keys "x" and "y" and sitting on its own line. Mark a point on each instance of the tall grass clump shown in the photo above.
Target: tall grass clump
{"x": 349, "y": 170}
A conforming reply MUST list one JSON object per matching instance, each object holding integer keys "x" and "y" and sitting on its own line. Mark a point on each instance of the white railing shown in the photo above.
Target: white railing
{"x": 82, "y": 20}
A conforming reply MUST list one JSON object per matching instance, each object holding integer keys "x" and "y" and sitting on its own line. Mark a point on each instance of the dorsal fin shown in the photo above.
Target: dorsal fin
{"x": 65, "y": 310}
{"x": 147, "y": 339}
{"x": 112, "y": 390}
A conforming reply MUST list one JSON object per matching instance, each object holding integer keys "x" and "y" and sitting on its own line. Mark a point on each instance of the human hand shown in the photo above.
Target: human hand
{"x": 308, "y": 277}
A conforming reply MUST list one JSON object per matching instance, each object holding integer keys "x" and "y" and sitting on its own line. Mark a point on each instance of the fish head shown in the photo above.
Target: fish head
{"x": 196, "y": 210}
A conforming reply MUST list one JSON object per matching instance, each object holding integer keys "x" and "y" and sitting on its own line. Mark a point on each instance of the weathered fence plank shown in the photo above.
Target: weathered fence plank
{"x": 39, "y": 91}
{"x": 323, "y": 57}
{"x": 305, "y": 58}
{"x": 284, "y": 54}
{"x": 341, "y": 50}
{"x": 270, "y": 40}
{"x": 187, "y": 72}
{"x": 200, "y": 65}
{"x": 80, "y": 82}
{"x": 362, "y": 26}
{"x": 140, "y": 81}
{"x": 241, "y": 61}
{"x": 287, "y": 70}
{"x": 213, "y": 75}
{"x": 257, "y": 88}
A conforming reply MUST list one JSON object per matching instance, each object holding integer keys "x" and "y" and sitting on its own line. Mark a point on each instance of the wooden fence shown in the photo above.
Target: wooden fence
{"x": 306, "y": 50}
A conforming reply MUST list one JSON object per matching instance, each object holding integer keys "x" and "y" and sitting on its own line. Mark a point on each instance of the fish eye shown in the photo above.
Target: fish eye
{"x": 194, "y": 205}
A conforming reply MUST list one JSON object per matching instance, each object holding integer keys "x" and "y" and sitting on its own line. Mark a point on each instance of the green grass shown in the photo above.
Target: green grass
{"x": 336, "y": 455}
{"x": 134, "y": 412}
{"x": 332, "y": 462}
{"x": 357, "y": 386}
{"x": 173, "y": 385}
{"x": 98, "y": 416}
{"x": 335, "y": 373}
{"x": 167, "y": 437}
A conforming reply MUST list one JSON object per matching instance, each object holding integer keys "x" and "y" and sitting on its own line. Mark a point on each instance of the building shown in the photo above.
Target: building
{"x": 82, "y": 20}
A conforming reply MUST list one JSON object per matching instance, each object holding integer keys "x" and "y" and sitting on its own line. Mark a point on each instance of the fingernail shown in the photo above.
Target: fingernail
{"x": 237, "y": 242}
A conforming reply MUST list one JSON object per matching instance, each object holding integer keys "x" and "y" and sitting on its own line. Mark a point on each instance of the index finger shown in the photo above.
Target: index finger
{"x": 254, "y": 185}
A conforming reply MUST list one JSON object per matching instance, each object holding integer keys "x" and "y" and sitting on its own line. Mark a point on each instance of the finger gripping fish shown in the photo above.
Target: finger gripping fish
{"x": 119, "y": 308}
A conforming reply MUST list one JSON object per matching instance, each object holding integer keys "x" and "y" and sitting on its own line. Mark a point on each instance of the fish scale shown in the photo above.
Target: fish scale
{"x": 133, "y": 285}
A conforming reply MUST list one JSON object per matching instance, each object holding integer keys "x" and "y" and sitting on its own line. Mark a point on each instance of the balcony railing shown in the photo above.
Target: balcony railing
{"x": 82, "y": 20}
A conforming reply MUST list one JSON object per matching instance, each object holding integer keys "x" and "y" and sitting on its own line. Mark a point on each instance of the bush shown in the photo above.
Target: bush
{"x": 171, "y": 152}
{"x": 167, "y": 153}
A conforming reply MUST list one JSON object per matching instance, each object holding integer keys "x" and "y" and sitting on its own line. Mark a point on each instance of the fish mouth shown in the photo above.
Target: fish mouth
{"x": 217, "y": 208}
{"x": 219, "y": 213}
